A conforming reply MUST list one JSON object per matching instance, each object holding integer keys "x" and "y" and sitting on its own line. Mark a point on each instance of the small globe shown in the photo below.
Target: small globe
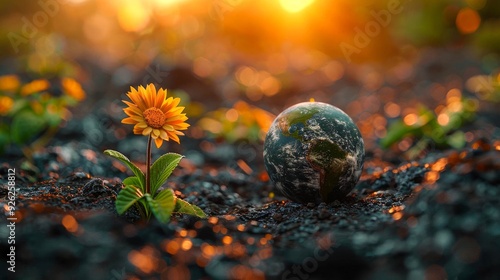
{"x": 314, "y": 152}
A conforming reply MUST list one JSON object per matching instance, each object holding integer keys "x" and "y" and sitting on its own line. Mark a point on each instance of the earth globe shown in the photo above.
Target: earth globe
{"x": 313, "y": 152}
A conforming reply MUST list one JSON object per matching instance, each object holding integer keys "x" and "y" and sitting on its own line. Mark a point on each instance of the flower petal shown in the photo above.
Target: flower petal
{"x": 147, "y": 131}
{"x": 171, "y": 119}
{"x": 164, "y": 134}
{"x": 168, "y": 127}
{"x": 160, "y": 97}
{"x": 171, "y": 103}
{"x": 175, "y": 138}
{"x": 142, "y": 125}
{"x": 139, "y": 127}
{"x": 134, "y": 110}
{"x": 129, "y": 120}
{"x": 158, "y": 142}
{"x": 151, "y": 89}
{"x": 135, "y": 96}
{"x": 156, "y": 132}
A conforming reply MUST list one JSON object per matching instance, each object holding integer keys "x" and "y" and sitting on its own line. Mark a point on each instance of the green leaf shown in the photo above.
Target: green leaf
{"x": 162, "y": 168}
{"x": 395, "y": 133}
{"x": 4, "y": 138}
{"x": 456, "y": 140}
{"x": 127, "y": 197}
{"x": 53, "y": 118}
{"x": 132, "y": 180}
{"x": 19, "y": 105}
{"x": 145, "y": 207}
{"x": 162, "y": 205}
{"x": 25, "y": 126}
{"x": 184, "y": 207}
{"x": 138, "y": 173}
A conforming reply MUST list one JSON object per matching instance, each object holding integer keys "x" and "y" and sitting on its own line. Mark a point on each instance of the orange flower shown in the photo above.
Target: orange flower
{"x": 35, "y": 86}
{"x": 154, "y": 114}
{"x": 6, "y": 104}
{"x": 9, "y": 82}
{"x": 73, "y": 89}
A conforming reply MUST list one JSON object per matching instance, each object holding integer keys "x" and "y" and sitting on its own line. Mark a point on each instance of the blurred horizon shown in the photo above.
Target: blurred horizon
{"x": 373, "y": 59}
{"x": 205, "y": 35}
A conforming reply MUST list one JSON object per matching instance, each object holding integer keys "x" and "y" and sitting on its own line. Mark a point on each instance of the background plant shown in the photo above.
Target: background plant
{"x": 241, "y": 122}
{"x": 439, "y": 128}
{"x": 31, "y": 112}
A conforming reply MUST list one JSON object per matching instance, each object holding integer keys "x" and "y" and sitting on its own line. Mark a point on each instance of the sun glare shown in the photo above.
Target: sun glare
{"x": 132, "y": 15}
{"x": 295, "y": 6}
{"x": 167, "y": 2}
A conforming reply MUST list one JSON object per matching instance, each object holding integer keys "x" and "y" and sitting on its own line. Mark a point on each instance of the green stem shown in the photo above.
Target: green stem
{"x": 148, "y": 165}
{"x": 45, "y": 138}
{"x": 418, "y": 148}
{"x": 141, "y": 211}
{"x": 39, "y": 143}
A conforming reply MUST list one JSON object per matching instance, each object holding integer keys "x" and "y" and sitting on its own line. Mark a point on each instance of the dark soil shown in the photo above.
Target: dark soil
{"x": 398, "y": 222}
{"x": 434, "y": 218}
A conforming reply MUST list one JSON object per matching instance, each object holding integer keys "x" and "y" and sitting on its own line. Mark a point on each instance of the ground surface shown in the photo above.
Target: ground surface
{"x": 399, "y": 221}
{"x": 437, "y": 217}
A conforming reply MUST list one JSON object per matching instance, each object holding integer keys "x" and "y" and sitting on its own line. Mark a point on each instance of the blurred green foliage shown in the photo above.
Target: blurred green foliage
{"x": 486, "y": 87}
{"x": 30, "y": 113}
{"x": 431, "y": 129}
{"x": 241, "y": 122}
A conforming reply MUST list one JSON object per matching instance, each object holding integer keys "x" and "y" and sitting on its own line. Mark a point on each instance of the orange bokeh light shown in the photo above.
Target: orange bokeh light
{"x": 468, "y": 21}
{"x": 133, "y": 15}
{"x": 410, "y": 119}
{"x": 392, "y": 110}
{"x": 443, "y": 119}
{"x": 397, "y": 216}
{"x": 143, "y": 260}
{"x": 70, "y": 223}
{"x": 227, "y": 240}
{"x": 186, "y": 244}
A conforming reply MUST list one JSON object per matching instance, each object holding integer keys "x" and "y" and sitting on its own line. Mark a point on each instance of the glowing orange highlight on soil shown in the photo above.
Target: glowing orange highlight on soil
{"x": 397, "y": 216}
{"x": 141, "y": 261}
{"x": 439, "y": 165}
{"x": 208, "y": 250}
{"x": 244, "y": 166}
{"x": 172, "y": 247}
{"x": 227, "y": 240}
{"x": 70, "y": 223}
{"x": 186, "y": 244}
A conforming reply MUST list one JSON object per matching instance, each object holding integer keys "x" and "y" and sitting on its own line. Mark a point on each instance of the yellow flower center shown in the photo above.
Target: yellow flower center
{"x": 154, "y": 117}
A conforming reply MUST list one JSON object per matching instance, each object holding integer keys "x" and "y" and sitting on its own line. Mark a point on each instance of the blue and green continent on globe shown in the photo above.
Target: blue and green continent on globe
{"x": 314, "y": 152}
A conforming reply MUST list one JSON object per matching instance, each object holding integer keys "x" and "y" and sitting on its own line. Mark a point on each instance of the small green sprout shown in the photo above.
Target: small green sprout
{"x": 439, "y": 128}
